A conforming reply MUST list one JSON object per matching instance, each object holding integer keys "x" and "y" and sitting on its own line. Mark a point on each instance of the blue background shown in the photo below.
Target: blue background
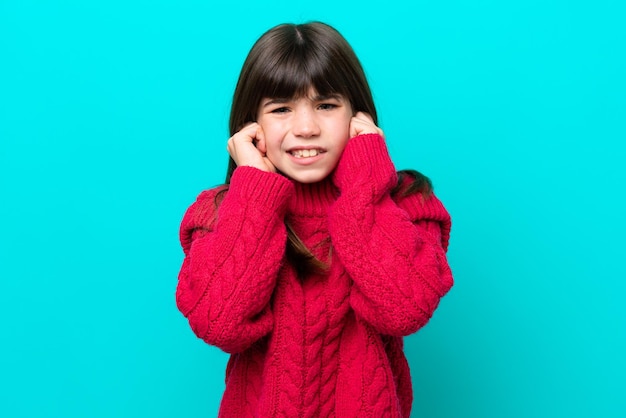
{"x": 113, "y": 117}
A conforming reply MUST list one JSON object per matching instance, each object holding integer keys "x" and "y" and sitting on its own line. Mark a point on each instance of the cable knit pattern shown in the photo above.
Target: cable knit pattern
{"x": 325, "y": 345}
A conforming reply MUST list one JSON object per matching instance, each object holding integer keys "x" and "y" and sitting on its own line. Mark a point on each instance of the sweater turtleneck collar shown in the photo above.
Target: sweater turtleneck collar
{"x": 312, "y": 198}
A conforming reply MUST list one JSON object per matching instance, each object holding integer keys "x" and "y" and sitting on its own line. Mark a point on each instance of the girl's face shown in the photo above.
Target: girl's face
{"x": 305, "y": 137}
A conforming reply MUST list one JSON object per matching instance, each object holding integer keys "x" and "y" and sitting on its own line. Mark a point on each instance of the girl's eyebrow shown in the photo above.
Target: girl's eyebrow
{"x": 317, "y": 98}
{"x": 275, "y": 101}
{"x": 323, "y": 97}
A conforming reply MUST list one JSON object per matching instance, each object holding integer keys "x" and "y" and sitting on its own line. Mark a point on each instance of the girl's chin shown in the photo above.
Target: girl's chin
{"x": 306, "y": 178}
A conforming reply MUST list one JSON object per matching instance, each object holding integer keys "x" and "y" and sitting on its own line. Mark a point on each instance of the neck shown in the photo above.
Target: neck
{"x": 313, "y": 198}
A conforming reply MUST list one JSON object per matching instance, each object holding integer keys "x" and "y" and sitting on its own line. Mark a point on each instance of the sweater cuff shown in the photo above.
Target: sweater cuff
{"x": 365, "y": 160}
{"x": 258, "y": 187}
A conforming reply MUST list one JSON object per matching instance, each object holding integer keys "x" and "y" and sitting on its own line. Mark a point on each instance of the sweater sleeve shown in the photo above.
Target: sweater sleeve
{"x": 394, "y": 251}
{"x": 232, "y": 258}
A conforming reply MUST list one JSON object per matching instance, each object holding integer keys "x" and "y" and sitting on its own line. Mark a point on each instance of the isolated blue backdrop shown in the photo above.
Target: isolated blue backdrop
{"x": 113, "y": 118}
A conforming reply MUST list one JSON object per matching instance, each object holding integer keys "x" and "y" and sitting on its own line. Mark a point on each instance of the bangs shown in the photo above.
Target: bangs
{"x": 296, "y": 72}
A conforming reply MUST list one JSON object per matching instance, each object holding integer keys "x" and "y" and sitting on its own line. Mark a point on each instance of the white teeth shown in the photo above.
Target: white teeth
{"x": 304, "y": 153}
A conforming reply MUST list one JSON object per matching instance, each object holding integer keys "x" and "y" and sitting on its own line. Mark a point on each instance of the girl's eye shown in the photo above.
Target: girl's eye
{"x": 327, "y": 106}
{"x": 280, "y": 110}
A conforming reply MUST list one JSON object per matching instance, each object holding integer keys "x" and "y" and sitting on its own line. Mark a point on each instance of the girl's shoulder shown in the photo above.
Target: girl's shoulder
{"x": 207, "y": 201}
{"x": 414, "y": 193}
{"x": 209, "y": 197}
{"x": 201, "y": 214}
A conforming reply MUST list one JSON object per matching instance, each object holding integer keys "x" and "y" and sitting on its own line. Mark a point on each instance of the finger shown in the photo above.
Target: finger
{"x": 260, "y": 138}
{"x": 364, "y": 117}
{"x": 353, "y": 129}
{"x": 358, "y": 125}
{"x": 230, "y": 146}
{"x": 362, "y": 123}
{"x": 270, "y": 167}
{"x": 237, "y": 143}
{"x": 249, "y": 132}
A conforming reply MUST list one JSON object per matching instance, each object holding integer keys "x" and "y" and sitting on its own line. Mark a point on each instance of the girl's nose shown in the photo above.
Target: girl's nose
{"x": 305, "y": 125}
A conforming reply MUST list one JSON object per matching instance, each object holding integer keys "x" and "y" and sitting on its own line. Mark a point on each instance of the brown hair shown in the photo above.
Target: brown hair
{"x": 285, "y": 62}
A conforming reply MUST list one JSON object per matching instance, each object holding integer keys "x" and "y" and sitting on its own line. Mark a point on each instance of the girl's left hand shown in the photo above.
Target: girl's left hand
{"x": 362, "y": 123}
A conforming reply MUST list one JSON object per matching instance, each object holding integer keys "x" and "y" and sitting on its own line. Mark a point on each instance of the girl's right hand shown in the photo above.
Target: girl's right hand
{"x": 247, "y": 148}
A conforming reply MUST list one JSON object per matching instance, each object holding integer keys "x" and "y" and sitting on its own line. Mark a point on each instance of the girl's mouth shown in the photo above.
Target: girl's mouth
{"x": 306, "y": 153}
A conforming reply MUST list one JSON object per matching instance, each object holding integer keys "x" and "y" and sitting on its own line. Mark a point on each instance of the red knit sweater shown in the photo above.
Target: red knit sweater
{"x": 325, "y": 345}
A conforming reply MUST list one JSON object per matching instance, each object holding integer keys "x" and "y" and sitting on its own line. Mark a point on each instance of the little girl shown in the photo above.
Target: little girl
{"x": 315, "y": 258}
